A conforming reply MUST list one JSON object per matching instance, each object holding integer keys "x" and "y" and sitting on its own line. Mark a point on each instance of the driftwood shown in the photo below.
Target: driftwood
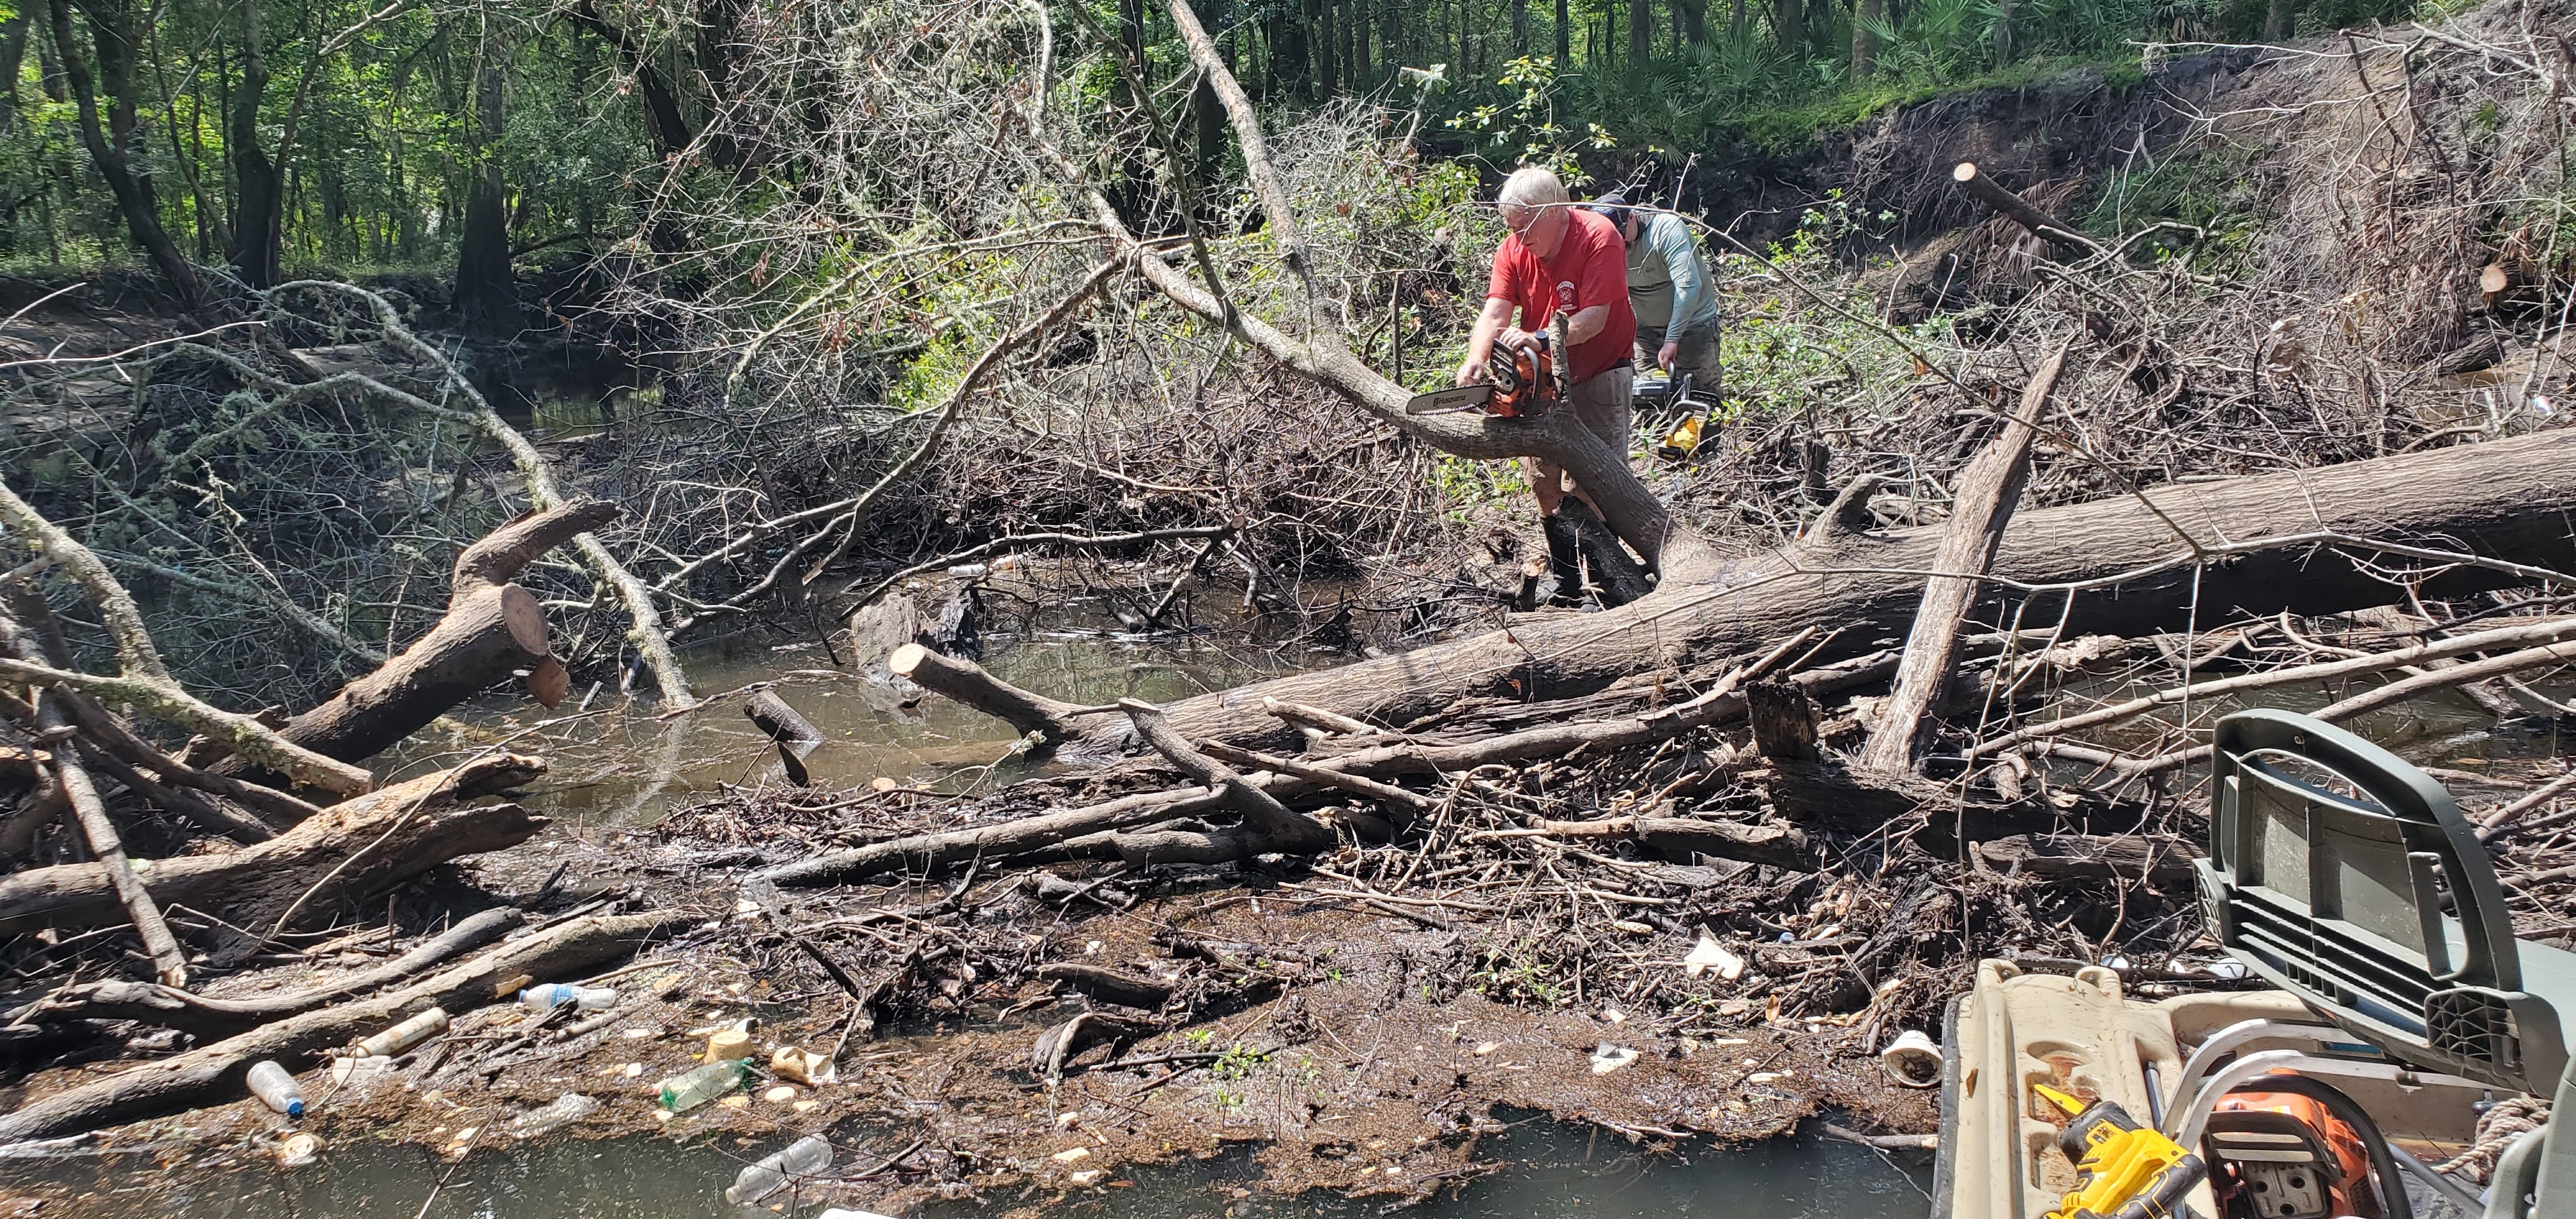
{"x": 1267, "y": 825}
{"x": 348, "y": 852}
{"x": 794, "y": 735}
{"x": 2165, "y": 863}
{"x": 1983, "y": 499}
{"x": 1109, "y": 985}
{"x": 968, "y": 683}
{"x": 207, "y": 1019}
{"x": 213, "y": 1075}
{"x": 1679, "y": 839}
{"x": 1094, "y": 831}
{"x": 491, "y": 629}
{"x": 111, "y": 872}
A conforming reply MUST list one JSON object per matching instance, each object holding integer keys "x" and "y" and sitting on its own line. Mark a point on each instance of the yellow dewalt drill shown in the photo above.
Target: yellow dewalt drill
{"x": 2132, "y": 1171}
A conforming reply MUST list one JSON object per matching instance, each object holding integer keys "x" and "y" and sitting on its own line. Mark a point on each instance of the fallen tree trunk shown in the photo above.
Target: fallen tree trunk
{"x": 213, "y": 1075}
{"x": 348, "y": 852}
{"x": 207, "y": 1019}
{"x": 491, "y": 629}
{"x": 2503, "y": 500}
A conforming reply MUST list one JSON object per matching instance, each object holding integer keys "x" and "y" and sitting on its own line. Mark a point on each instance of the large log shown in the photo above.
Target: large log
{"x": 491, "y": 629}
{"x": 213, "y": 1075}
{"x": 347, "y": 852}
{"x": 2505, "y": 499}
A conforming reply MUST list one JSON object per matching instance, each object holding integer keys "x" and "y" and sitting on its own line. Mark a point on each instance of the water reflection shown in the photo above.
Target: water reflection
{"x": 1549, "y": 1170}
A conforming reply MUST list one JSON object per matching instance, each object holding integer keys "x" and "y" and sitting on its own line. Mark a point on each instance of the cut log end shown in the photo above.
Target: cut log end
{"x": 1966, "y": 171}
{"x": 525, "y": 619}
{"x": 906, "y": 660}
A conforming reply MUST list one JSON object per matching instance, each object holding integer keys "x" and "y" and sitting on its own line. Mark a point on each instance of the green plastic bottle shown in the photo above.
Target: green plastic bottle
{"x": 690, "y": 1089}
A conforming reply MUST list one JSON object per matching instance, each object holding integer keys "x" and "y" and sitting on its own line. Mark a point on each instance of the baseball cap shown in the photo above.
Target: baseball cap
{"x": 1613, "y": 207}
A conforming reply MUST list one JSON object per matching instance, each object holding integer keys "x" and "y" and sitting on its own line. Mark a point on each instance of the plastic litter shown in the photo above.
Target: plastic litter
{"x": 1912, "y": 1060}
{"x": 690, "y": 1089}
{"x": 405, "y": 1035}
{"x": 298, "y": 1150}
{"x": 802, "y": 1158}
{"x": 802, "y": 1066}
{"x": 276, "y": 1088}
{"x": 353, "y": 1076}
{"x": 562, "y": 1110}
{"x": 1710, "y": 955}
{"x": 728, "y": 1043}
{"x": 555, "y": 994}
{"x": 1607, "y": 1058}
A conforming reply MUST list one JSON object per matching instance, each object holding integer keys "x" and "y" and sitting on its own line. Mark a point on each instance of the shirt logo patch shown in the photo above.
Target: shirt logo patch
{"x": 1565, "y": 295}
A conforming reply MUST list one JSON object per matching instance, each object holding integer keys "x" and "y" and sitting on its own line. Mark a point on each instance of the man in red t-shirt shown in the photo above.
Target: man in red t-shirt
{"x": 1562, "y": 258}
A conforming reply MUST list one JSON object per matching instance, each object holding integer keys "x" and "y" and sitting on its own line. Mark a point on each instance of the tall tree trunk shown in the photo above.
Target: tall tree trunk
{"x": 1327, "y": 58}
{"x": 1520, "y": 27}
{"x": 259, "y": 220}
{"x": 2003, "y": 32}
{"x": 13, "y": 59}
{"x": 487, "y": 294}
{"x": 1564, "y": 38}
{"x": 1355, "y": 66}
{"x": 110, "y": 138}
{"x": 1789, "y": 27}
{"x": 2281, "y": 21}
{"x": 1466, "y": 65}
{"x": 1131, "y": 31}
{"x": 1864, "y": 46}
{"x": 670, "y": 128}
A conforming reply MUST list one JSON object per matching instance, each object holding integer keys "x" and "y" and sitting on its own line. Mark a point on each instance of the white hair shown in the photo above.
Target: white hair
{"x": 1532, "y": 186}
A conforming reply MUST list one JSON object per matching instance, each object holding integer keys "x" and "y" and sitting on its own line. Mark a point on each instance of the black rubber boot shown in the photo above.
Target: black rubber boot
{"x": 1564, "y": 557}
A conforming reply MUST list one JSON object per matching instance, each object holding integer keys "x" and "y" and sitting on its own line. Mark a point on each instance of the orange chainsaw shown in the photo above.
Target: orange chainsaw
{"x": 1521, "y": 382}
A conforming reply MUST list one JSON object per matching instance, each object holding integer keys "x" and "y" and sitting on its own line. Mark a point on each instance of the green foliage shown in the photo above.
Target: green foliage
{"x": 2215, "y": 192}
{"x": 1520, "y": 126}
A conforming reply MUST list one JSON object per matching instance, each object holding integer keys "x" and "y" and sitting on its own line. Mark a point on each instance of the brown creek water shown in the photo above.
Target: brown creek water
{"x": 1544, "y": 1170}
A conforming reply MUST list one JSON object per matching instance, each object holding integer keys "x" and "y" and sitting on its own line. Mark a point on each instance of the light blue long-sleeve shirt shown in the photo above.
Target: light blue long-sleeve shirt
{"x": 1666, "y": 279}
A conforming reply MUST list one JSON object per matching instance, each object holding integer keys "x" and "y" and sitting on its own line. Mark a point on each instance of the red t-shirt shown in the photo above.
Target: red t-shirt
{"x": 1590, "y": 268}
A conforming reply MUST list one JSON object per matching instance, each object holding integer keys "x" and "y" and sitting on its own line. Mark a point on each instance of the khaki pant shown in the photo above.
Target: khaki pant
{"x": 1606, "y": 405}
{"x": 1697, "y": 357}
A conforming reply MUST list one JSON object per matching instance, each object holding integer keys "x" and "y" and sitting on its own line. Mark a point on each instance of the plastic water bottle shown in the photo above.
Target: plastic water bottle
{"x": 803, "y": 1158}
{"x": 690, "y": 1089}
{"x": 555, "y": 994}
{"x": 276, "y": 1089}
{"x": 565, "y": 1109}
{"x": 405, "y": 1035}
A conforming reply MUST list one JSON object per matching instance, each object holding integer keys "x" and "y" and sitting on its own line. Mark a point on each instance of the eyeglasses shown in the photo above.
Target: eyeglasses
{"x": 1528, "y": 216}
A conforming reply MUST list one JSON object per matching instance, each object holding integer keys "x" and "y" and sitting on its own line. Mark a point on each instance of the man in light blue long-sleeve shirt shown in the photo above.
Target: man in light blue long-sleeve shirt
{"x": 1672, "y": 292}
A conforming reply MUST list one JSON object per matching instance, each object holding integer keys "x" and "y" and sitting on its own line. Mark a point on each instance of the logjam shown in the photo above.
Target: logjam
{"x": 2498, "y": 500}
{"x": 208, "y": 1018}
{"x": 213, "y": 1075}
{"x": 348, "y": 852}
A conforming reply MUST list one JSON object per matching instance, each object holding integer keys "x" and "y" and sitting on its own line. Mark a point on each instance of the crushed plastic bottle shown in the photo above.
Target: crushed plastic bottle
{"x": 276, "y": 1088}
{"x": 562, "y": 1110}
{"x": 690, "y": 1089}
{"x": 405, "y": 1035}
{"x": 555, "y": 994}
{"x": 803, "y": 1158}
